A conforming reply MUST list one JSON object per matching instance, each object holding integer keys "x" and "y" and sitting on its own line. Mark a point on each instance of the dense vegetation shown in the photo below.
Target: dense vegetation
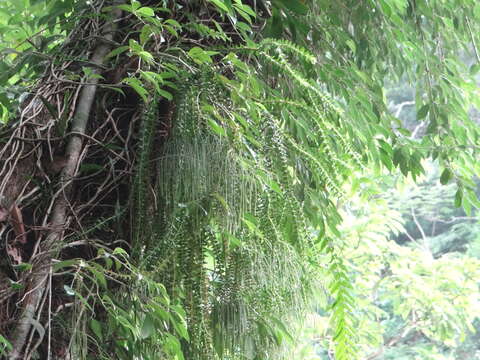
{"x": 182, "y": 179}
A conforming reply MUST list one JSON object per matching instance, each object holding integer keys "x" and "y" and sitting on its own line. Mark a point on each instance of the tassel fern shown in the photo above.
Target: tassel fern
{"x": 230, "y": 236}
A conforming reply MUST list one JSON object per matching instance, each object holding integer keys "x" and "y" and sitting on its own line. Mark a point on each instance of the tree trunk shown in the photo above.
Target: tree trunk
{"x": 22, "y": 158}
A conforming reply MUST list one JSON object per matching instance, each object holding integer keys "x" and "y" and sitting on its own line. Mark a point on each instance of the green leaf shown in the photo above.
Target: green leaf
{"x": 199, "y": 55}
{"x": 99, "y": 276}
{"x": 138, "y": 87}
{"x": 145, "y": 11}
{"x": 135, "y": 46}
{"x": 472, "y": 198}
{"x": 181, "y": 329}
{"x": 422, "y": 113}
{"x": 145, "y": 34}
{"x": 458, "y": 197}
{"x": 398, "y": 156}
{"x": 161, "y": 313}
{"x": 446, "y": 176}
{"x": 220, "y": 4}
{"x": 148, "y": 327}
{"x": 173, "y": 23}
{"x": 96, "y": 328}
{"x": 123, "y": 7}
{"x": 146, "y": 56}
{"x": 16, "y": 285}
{"x": 117, "y": 51}
{"x": 120, "y": 251}
{"x": 475, "y": 68}
{"x": 233, "y": 241}
{"x": 351, "y": 44}
{"x": 136, "y": 4}
{"x": 243, "y": 14}
{"x": 216, "y": 128}
{"x": 167, "y": 95}
{"x": 114, "y": 88}
{"x": 4, "y": 345}
{"x": 246, "y": 8}
{"x": 280, "y": 325}
{"x": 404, "y": 166}
{"x": 23, "y": 267}
{"x": 172, "y": 347}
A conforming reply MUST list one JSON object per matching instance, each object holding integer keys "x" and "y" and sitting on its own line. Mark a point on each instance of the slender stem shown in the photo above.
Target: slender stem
{"x": 477, "y": 55}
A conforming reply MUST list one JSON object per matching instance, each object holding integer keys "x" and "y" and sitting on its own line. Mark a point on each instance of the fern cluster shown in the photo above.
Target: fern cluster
{"x": 234, "y": 187}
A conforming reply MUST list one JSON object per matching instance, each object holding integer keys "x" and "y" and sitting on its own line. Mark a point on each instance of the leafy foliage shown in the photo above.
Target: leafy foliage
{"x": 412, "y": 299}
{"x": 241, "y": 143}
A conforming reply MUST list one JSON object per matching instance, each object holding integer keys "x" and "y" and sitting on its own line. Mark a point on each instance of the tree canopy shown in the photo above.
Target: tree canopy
{"x": 175, "y": 173}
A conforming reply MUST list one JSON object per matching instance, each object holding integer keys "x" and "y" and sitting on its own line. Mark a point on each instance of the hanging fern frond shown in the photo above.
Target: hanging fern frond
{"x": 232, "y": 186}
{"x": 288, "y": 46}
{"x": 142, "y": 182}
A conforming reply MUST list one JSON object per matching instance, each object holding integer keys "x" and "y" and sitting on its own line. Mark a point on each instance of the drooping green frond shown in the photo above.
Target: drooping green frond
{"x": 224, "y": 234}
{"x": 233, "y": 188}
{"x": 141, "y": 207}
